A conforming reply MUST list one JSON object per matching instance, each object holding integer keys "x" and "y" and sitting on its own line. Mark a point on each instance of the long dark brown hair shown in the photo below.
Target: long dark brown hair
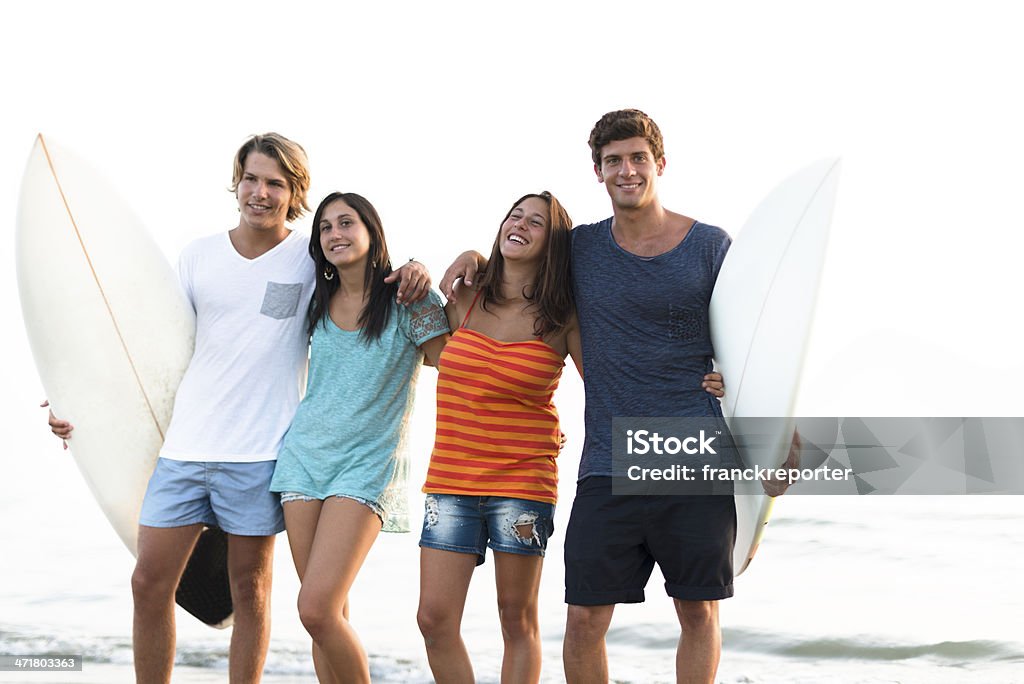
{"x": 374, "y": 316}
{"x": 551, "y": 290}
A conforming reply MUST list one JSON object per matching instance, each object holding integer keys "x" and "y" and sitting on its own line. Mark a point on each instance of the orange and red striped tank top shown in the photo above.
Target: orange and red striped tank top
{"x": 497, "y": 428}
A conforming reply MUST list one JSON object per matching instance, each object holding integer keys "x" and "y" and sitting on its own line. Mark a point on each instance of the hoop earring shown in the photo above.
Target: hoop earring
{"x": 328, "y": 273}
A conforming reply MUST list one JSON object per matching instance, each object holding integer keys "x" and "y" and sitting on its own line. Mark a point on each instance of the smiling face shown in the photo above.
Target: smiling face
{"x": 263, "y": 193}
{"x": 524, "y": 233}
{"x": 630, "y": 172}
{"x": 344, "y": 237}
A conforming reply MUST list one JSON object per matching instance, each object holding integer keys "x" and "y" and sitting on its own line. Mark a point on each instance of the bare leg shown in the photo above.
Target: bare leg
{"x": 300, "y": 519}
{"x": 345, "y": 531}
{"x": 518, "y": 581}
{"x": 583, "y": 649}
{"x": 444, "y": 583}
{"x": 163, "y": 553}
{"x": 700, "y": 644}
{"x": 250, "y": 568}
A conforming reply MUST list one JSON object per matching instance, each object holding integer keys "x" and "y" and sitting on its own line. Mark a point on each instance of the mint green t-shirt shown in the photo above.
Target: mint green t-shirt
{"x": 348, "y": 435}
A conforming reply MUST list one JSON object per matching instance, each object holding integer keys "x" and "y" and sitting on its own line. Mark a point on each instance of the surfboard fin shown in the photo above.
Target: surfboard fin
{"x": 204, "y": 589}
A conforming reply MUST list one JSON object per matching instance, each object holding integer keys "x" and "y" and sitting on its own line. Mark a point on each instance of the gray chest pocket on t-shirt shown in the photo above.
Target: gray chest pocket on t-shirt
{"x": 281, "y": 300}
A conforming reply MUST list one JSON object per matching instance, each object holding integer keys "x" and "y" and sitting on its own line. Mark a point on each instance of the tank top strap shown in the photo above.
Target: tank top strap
{"x": 466, "y": 319}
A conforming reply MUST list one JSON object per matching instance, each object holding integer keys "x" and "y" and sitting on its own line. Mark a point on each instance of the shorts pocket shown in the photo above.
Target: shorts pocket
{"x": 281, "y": 300}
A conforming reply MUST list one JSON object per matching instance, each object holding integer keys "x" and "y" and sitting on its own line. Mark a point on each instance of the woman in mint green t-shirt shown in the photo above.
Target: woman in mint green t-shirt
{"x": 342, "y": 466}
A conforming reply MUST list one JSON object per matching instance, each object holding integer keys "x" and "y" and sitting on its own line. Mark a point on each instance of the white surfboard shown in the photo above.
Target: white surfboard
{"x": 109, "y": 328}
{"x": 761, "y": 313}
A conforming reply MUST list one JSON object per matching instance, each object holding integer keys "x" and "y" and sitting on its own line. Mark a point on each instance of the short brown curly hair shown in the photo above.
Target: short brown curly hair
{"x": 623, "y": 124}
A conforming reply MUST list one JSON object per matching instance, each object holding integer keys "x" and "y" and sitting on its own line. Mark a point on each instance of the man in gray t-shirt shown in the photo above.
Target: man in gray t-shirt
{"x": 643, "y": 281}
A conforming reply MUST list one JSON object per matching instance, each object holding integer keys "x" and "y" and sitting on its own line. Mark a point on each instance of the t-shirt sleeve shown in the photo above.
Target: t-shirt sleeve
{"x": 720, "y": 252}
{"x": 185, "y": 264}
{"x": 426, "y": 319}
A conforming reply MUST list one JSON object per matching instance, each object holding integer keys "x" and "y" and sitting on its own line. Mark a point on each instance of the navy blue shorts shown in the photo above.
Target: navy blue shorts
{"x": 613, "y": 542}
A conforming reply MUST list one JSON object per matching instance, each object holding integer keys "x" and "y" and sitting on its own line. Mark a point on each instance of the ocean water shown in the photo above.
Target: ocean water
{"x": 844, "y": 589}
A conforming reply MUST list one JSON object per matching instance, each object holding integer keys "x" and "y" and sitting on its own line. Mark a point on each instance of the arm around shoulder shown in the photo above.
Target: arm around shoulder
{"x": 465, "y": 267}
{"x": 413, "y": 282}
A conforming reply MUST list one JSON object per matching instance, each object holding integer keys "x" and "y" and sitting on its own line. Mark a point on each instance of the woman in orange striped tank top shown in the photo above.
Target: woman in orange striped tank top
{"x": 492, "y": 479}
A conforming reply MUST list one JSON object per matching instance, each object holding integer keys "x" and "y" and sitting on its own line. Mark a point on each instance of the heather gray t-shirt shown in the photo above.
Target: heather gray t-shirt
{"x": 644, "y": 330}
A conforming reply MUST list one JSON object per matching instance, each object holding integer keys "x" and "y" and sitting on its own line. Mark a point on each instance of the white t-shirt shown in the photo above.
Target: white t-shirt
{"x": 242, "y": 386}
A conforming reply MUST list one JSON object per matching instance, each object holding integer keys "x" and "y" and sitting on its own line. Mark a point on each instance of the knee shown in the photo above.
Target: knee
{"x": 152, "y": 587}
{"x": 316, "y": 616}
{"x": 518, "y": 620}
{"x": 250, "y": 590}
{"x": 585, "y": 625}
{"x": 697, "y": 616}
{"x": 436, "y": 623}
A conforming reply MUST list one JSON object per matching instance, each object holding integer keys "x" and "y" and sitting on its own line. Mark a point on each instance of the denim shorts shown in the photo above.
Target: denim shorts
{"x": 470, "y": 524}
{"x": 235, "y": 497}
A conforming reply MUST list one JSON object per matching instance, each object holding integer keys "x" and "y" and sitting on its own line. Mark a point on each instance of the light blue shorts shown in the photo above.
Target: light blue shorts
{"x": 235, "y": 497}
{"x": 470, "y": 524}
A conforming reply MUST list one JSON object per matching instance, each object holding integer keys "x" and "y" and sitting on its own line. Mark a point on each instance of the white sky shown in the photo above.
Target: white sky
{"x": 443, "y": 113}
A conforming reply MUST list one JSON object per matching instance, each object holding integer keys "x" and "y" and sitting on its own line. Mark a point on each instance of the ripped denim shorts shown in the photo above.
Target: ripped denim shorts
{"x": 470, "y": 524}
